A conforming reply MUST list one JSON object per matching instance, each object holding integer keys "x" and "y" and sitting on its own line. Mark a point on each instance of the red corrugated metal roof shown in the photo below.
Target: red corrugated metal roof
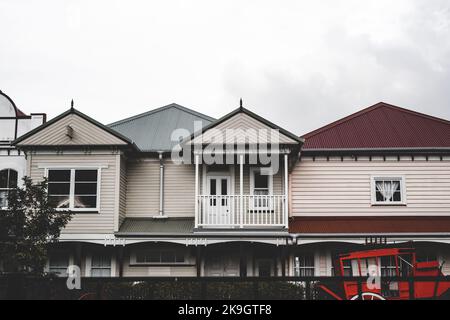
{"x": 369, "y": 225}
{"x": 382, "y": 126}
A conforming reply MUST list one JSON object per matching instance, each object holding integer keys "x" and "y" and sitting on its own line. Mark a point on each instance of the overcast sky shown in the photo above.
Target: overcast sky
{"x": 301, "y": 64}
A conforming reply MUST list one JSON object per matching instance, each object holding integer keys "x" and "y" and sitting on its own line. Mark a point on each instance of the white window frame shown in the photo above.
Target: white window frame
{"x": 9, "y": 189}
{"x": 297, "y": 268}
{"x": 72, "y": 187}
{"x": 133, "y": 258}
{"x": 401, "y": 178}
{"x": 253, "y": 170}
{"x": 89, "y": 267}
{"x": 269, "y": 206}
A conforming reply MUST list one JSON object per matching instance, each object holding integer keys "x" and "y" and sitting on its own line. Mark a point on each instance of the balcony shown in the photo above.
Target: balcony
{"x": 246, "y": 211}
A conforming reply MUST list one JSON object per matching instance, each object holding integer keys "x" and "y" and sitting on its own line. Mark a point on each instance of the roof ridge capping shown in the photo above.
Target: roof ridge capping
{"x": 370, "y": 109}
{"x": 80, "y": 114}
{"x": 163, "y": 108}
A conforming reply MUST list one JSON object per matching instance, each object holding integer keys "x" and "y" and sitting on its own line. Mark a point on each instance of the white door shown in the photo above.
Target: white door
{"x": 219, "y": 203}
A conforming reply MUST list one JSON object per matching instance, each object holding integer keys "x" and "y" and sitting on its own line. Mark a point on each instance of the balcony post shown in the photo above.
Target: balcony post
{"x": 241, "y": 190}
{"x": 286, "y": 191}
{"x": 196, "y": 189}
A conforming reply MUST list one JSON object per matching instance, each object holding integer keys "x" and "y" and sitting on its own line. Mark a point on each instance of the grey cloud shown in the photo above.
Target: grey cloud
{"x": 301, "y": 65}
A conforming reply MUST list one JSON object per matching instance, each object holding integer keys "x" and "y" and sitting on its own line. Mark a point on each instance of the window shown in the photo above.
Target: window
{"x": 159, "y": 257}
{"x": 74, "y": 189}
{"x": 261, "y": 186}
{"x": 388, "y": 191}
{"x": 101, "y": 266}
{"x": 58, "y": 264}
{"x": 347, "y": 269}
{"x": 304, "y": 265}
{"x": 8, "y": 182}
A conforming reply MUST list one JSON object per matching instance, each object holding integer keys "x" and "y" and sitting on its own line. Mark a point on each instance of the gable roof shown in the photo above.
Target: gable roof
{"x": 152, "y": 130}
{"x": 381, "y": 126}
{"x": 291, "y": 138}
{"x": 22, "y": 141}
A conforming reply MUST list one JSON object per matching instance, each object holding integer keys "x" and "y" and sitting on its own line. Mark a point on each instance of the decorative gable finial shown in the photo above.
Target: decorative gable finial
{"x": 71, "y": 104}
{"x": 240, "y": 104}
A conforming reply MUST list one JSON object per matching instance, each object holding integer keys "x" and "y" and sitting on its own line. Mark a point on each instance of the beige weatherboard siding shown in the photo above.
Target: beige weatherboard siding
{"x": 244, "y": 122}
{"x": 143, "y": 187}
{"x": 142, "y": 199}
{"x": 343, "y": 188}
{"x": 84, "y": 133}
{"x": 179, "y": 190}
{"x": 104, "y": 220}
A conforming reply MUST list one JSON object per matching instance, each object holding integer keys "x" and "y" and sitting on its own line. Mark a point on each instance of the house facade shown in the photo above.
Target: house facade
{"x": 13, "y": 124}
{"x": 173, "y": 192}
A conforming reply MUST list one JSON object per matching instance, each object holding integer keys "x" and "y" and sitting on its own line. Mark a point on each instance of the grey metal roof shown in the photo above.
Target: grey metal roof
{"x": 152, "y": 226}
{"x": 151, "y": 131}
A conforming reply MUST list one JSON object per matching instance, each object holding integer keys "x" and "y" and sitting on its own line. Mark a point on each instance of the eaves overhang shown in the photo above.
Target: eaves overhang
{"x": 377, "y": 152}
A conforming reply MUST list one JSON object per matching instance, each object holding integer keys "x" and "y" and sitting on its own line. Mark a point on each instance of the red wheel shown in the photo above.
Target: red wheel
{"x": 368, "y": 296}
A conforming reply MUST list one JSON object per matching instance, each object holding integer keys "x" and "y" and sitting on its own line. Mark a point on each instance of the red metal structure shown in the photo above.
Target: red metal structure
{"x": 394, "y": 271}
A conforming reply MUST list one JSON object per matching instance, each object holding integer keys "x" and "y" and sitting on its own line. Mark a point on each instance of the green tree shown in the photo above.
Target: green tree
{"x": 28, "y": 226}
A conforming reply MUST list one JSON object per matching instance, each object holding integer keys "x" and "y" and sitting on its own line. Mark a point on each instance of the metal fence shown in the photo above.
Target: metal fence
{"x": 203, "y": 288}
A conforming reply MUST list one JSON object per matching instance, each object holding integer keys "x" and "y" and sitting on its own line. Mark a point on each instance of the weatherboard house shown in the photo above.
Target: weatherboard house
{"x": 13, "y": 124}
{"x": 173, "y": 192}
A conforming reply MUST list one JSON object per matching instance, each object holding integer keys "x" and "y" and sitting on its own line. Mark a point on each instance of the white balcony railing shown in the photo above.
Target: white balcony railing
{"x": 242, "y": 211}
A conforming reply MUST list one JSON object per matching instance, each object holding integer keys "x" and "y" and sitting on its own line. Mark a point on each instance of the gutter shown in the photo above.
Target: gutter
{"x": 196, "y": 235}
{"x": 295, "y": 237}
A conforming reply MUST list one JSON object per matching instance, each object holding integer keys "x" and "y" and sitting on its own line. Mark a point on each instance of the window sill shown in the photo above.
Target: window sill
{"x": 162, "y": 264}
{"x": 389, "y": 204}
{"x": 79, "y": 211}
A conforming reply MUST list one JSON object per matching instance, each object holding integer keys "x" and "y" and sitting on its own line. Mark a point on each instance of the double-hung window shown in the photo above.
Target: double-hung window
{"x": 261, "y": 188}
{"x": 304, "y": 265}
{"x": 388, "y": 191}
{"x": 101, "y": 265}
{"x": 8, "y": 182}
{"x": 74, "y": 189}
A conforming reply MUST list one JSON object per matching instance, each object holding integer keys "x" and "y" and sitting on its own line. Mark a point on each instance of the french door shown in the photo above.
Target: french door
{"x": 219, "y": 203}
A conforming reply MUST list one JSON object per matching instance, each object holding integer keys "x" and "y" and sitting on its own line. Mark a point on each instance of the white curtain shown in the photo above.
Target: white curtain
{"x": 387, "y": 189}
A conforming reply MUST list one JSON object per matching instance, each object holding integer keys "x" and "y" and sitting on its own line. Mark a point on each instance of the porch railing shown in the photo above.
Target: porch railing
{"x": 242, "y": 211}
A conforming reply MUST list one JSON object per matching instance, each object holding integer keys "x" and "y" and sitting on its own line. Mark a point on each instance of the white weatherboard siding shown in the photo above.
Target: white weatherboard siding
{"x": 142, "y": 199}
{"x": 336, "y": 188}
{"x": 102, "y": 222}
{"x": 143, "y": 189}
{"x": 179, "y": 190}
{"x": 84, "y": 133}
{"x": 241, "y": 123}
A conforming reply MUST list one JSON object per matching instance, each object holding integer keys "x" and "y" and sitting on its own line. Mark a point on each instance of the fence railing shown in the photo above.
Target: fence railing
{"x": 186, "y": 288}
{"x": 242, "y": 211}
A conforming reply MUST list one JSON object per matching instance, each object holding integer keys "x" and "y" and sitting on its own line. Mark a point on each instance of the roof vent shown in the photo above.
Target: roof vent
{"x": 69, "y": 132}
